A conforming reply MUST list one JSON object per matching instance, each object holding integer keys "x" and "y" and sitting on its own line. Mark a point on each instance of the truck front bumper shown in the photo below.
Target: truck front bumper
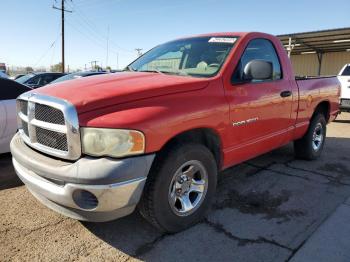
{"x": 345, "y": 105}
{"x": 90, "y": 189}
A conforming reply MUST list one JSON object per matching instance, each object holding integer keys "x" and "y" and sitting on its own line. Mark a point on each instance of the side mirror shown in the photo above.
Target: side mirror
{"x": 257, "y": 70}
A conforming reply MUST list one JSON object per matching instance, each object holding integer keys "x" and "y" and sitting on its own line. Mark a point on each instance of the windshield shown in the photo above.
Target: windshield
{"x": 346, "y": 71}
{"x": 66, "y": 77}
{"x": 75, "y": 76}
{"x": 24, "y": 78}
{"x": 200, "y": 56}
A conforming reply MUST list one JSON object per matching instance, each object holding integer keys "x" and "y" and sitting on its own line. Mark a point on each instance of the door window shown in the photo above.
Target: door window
{"x": 34, "y": 81}
{"x": 258, "y": 49}
{"x": 46, "y": 79}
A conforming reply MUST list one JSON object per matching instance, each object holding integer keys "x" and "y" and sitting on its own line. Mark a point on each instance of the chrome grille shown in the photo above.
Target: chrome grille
{"x": 51, "y": 139}
{"x": 23, "y": 106}
{"x": 49, "y": 125}
{"x": 25, "y": 128}
{"x": 48, "y": 114}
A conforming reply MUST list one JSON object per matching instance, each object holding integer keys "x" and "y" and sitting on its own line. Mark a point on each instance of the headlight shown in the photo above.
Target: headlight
{"x": 112, "y": 142}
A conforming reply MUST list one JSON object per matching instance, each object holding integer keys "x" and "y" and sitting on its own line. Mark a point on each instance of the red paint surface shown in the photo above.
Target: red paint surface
{"x": 162, "y": 106}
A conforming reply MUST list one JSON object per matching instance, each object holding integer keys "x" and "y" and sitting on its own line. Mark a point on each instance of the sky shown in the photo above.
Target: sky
{"x": 31, "y": 29}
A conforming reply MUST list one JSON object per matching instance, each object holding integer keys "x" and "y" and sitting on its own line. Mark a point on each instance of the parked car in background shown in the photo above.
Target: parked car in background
{"x": 3, "y": 75}
{"x": 344, "y": 79}
{"x": 77, "y": 75}
{"x": 16, "y": 76}
{"x": 35, "y": 80}
{"x": 156, "y": 136}
{"x": 9, "y": 91}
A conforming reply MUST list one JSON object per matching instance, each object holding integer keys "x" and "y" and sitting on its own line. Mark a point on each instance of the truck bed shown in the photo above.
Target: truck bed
{"x": 312, "y": 90}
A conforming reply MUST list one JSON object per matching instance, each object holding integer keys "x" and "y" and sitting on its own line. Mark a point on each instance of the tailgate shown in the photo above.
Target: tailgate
{"x": 345, "y": 86}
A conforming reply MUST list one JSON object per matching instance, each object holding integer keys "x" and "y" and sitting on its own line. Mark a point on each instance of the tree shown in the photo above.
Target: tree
{"x": 96, "y": 67}
{"x": 29, "y": 69}
{"x": 108, "y": 68}
{"x": 56, "y": 67}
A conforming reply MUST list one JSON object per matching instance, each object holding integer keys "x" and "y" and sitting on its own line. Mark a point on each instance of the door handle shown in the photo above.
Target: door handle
{"x": 286, "y": 93}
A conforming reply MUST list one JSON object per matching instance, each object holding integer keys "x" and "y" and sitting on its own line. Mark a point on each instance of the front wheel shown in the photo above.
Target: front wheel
{"x": 179, "y": 188}
{"x": 310, "y": 146}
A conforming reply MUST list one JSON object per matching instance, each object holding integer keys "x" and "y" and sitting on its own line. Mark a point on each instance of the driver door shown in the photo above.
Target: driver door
{"x": 260, "y": 111}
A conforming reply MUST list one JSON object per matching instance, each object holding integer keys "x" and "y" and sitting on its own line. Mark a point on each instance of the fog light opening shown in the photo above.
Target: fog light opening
{"x": 85, "y": 199}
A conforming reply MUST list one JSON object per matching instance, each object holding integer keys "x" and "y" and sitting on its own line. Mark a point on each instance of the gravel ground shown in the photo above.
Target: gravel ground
{"x": 265, "y": 210}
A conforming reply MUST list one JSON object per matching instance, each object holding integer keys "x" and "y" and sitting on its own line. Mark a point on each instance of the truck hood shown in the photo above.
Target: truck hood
{"x": 94, "y": 92}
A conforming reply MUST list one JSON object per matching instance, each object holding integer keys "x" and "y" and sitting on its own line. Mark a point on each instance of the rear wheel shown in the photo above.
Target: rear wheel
{"x": 179, "y": 188}
{"x": 310, "y": 146}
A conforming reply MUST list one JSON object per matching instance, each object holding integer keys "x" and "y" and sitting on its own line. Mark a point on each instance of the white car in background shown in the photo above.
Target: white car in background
{"x": 9, "y": 91}
{"x": 344, "y": 79}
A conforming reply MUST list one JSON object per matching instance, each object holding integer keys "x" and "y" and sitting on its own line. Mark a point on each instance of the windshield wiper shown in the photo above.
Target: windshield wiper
{"x": 153, "y": 71}
{"x": 179, "y": 73}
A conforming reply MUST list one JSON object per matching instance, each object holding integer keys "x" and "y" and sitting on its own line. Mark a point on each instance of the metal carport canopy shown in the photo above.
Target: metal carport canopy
{"x": 318, "y": 42}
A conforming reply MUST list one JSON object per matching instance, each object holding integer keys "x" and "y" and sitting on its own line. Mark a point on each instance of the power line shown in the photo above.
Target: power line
{"x": 53, "y": 54}
{"x": 46, "y": 51}
{"x": 90, "y": 33}
{"x": 82, "y": 24}
{"x": 93, "y": 26}
{"x": 139, "y": 51}
{"x": 87, "y": 36}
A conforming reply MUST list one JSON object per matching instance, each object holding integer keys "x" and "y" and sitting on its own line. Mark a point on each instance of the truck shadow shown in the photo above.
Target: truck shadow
{"x": 8, "y": 177}
{"x": 134, "y": 236}
{"x": 344, "y": 117}
{"x": 342, "y": 121}
{"x": 131, "y": 234}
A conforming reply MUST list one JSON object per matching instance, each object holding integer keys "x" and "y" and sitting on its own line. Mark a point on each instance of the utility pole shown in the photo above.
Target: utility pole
{"x": 138, "y": 50}
{"x": 107, "y": 46}
{"x": 62, "y": 29}
{"x": 93, "y": 62}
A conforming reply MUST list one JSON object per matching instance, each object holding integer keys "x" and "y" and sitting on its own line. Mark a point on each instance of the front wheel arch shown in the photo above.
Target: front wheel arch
{"x": 207, "y": 137}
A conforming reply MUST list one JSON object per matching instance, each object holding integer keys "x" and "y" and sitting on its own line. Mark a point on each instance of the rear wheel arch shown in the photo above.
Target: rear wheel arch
{"x": 323, "y": 108}
{"x": 306, "y": 147}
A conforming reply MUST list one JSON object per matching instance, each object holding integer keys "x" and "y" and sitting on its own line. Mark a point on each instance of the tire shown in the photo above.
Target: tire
{"x": 165, "y": 202}
{"x": 306, "y": 147}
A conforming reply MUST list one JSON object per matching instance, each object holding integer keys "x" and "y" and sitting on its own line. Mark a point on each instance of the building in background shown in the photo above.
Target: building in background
{"x": 319, "y": 52}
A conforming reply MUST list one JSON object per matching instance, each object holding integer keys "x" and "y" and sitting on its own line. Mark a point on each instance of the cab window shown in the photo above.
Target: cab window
{"x": 258, "y": 49}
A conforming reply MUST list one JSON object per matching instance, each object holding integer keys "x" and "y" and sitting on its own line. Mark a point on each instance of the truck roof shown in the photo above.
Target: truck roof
{"x": 227, "y": 34}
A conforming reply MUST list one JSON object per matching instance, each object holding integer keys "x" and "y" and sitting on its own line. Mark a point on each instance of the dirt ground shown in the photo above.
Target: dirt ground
{"x": 265, "y": 210}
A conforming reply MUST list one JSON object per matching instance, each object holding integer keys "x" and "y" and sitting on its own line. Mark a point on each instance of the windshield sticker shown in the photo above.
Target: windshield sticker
{"x": 226, "y": 40}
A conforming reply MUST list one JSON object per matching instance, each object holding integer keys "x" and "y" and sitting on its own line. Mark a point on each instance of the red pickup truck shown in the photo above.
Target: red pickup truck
{"x": 156, "y": 136}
